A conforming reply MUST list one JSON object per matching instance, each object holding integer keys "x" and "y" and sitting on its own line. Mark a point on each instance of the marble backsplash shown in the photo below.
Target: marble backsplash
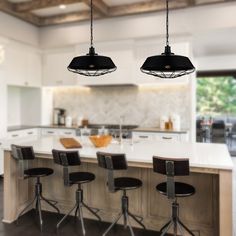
{"x": 141, "y": 106}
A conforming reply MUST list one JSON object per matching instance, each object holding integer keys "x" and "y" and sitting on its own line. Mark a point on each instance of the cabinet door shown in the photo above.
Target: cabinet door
{"x": 55, "y": 71}
{"x": 16, "y": 66}
{"x": 34, "y": 69}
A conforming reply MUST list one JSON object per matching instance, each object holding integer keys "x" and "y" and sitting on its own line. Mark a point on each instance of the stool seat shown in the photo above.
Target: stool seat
{"x": 38, "y": 172}
{"x": 81, "y": 177}
{"x": 126, "y": 183}
{"x": 181, "y": 189}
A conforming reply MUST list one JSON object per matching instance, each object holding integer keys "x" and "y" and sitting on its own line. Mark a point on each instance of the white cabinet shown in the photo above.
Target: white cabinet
{"x": 160, "y": 136}
{"x": 146, "y": 48}
{"x": 55, "y": 72}
{"x": 58, "y": 132}
{"x": 23, "y": 66}
{"x": 22, "y": 134}
{"x": 121, "y": 53}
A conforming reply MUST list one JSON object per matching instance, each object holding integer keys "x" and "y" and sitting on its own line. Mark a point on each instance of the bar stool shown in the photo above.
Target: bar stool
{"x": 113, "y": 162}
{"x": 72, "y": 158}
{"x": 22, "y": 154}
{"x": 173, "y": 190}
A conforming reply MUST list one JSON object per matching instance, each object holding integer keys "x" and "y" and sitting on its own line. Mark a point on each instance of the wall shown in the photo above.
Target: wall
{"x": 18, "y": 30}
{"x": 14, "y": 106}
{"x": 23, "y": 106}
{"x": 139, "y": 105}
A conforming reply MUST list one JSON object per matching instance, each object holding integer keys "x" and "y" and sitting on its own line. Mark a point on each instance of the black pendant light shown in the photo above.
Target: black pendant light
{"x": 92, "y": 64}
{"x": 167, "y": 65}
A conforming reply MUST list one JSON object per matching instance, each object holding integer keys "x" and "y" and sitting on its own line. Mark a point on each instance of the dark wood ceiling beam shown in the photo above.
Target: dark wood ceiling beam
{"x": 40, "y": 4}
{"x": 67, "y": 18}
{"x": 145, "y": 7}
{"x": 8, "y": 8}
{"x": 99, "y": 6}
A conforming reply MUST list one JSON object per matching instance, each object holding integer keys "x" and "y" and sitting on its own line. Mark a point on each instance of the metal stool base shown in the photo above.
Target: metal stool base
{"x": 78, "y": 210}
{"x": 37, "y": 201}
{"x": 176, "y": 223}
{"x": 126, "y": 216}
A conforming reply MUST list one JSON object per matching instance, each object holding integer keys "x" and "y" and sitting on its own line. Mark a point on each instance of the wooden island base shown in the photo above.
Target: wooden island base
{"x": 209, "y": 210}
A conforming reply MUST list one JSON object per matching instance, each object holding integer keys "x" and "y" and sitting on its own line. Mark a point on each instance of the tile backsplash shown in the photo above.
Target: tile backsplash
{"x": 141, "y": 106}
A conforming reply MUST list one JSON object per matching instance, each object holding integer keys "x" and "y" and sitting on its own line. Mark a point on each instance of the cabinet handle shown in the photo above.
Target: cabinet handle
{"x": 167, "y": 138}
{"x": 15, "y": 135}
{"x": 67, "y": 133}
{"x": 143, "y": 136}
{"x": 50, "y": 132}
{"x": 30, "y": 133}
{"x": 26, "y": 83}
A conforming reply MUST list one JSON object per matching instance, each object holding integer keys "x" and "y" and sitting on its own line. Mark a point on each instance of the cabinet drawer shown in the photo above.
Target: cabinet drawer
{"x": 143, "y": 136}
{"x": 167, "y": 137}
{"x": 49, "y": 132}
{"x": 16, "y": 134}
{"x": 31, "y": 132}
{"x": 67, "y": 132}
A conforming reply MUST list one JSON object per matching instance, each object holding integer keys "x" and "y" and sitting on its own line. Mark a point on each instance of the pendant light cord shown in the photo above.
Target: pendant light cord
{"x": 167, "y": 22}
{"x": 91, "y": 22}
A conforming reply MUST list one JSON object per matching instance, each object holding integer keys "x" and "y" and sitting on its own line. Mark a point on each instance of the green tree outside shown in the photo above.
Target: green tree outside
{"x": 216, "y": 96}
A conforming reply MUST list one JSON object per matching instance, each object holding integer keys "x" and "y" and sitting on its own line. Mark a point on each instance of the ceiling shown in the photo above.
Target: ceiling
{"x": 52, "y": 12}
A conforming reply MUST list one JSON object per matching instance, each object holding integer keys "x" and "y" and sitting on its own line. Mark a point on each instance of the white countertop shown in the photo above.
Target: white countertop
{"x": 203, "y": 155}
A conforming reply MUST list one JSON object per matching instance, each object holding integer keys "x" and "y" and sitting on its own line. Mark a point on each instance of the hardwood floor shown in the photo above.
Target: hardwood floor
{"x": 28, "y": 226}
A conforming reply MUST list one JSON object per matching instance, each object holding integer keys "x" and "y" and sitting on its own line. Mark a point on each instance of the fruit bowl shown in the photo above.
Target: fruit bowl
{"x": 100, "y": 140}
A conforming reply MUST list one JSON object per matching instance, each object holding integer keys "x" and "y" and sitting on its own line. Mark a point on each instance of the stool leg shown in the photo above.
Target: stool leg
{"x": 92, "y": 211}
{"x": 129, "y": 225}
{"x": 49, "y": 203}
{"x": 24, "y": 210}
{"x": 81, "y": 218}
{"x": 65, "y": 216}
{"x": 165, "y": 226}
{"x": 135, "y": 219}
{"x": 165, "y": 231}
{"x": 180, "y": 228}
{"x": 40, "y": 213}
{"x": 111, "y": 226}
{"x": 185, "y": 227}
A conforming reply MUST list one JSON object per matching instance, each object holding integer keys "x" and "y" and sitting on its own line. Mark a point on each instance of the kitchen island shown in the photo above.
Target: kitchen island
{"x": 209, "y": 210}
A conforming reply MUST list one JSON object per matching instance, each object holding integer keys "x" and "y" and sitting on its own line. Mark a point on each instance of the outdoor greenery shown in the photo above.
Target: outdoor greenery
{"x": 216, "y": 95}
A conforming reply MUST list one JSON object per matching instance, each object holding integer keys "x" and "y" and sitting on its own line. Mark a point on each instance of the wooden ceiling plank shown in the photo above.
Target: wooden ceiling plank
{"x": 145, "y": 7}
{"x": 40, "y": 4}
{"x": 8, "y": 8}
{"x": 67, "y": 18}
{"x": 99, "y": 6}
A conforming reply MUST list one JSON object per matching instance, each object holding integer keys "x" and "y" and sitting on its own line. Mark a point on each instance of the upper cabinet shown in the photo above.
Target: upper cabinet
{"x": 23, "y": 66}
{"x": 151, "y": 47}
{"x": 55, "y": 64}
{"x": 121, "y": 52}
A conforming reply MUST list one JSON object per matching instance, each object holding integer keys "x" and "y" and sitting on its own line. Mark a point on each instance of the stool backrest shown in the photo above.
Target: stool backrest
{"x": 66, "y": 159}
{"x": 171, "y": 167}
{"x": 111, "y": 162}
{"x": 22, "y": 152}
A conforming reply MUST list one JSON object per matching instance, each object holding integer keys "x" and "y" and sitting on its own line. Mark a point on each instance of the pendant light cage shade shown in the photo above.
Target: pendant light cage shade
{"x": 167, "y": 66}
{"x": 92, "y": 64}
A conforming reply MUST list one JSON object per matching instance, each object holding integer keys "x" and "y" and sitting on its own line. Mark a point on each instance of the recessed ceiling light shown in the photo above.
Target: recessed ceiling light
{"x": 62, "y": 6}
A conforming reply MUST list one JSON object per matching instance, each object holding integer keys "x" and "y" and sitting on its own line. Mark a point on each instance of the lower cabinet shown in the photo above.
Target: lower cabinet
{"x": 158, "y": 136}
{"x": 58, "y": 132}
